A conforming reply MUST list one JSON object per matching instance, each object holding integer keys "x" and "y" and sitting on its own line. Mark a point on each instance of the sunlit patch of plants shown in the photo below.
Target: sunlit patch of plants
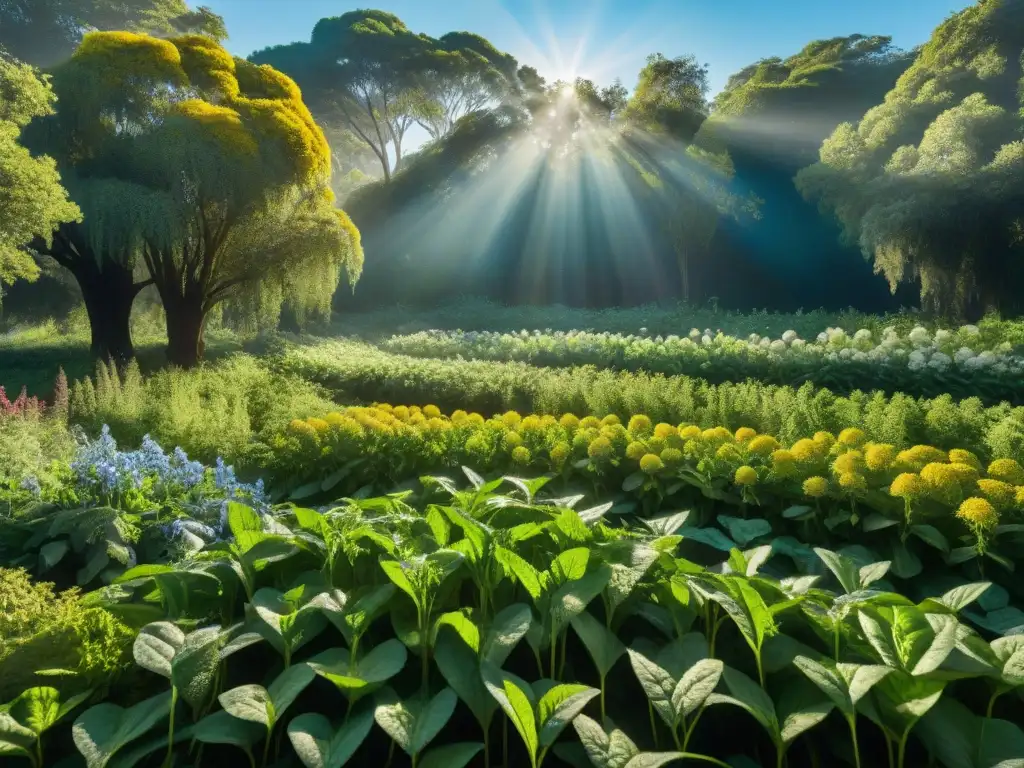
{"x": 493, "y": 623}
{"x": 963, "y": 362}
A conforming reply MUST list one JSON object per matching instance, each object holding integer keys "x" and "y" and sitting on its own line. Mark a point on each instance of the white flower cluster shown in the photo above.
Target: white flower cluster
{"x": 961, "y": 349}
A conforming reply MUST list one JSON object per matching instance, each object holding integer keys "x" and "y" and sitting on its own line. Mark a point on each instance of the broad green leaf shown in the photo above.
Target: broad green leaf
{"x": 750, "y": 696}
{"x": 605, "y": 750}
{"x": 462, "y": 625}
{"x": 396, "y": 572}
{"x": 570, "y": 565}
{"x": 755, "y": 558}
{"x": 627, "y": 569}
{"x": 668, "y": 524}
{"x": 801, "y": 707}
{"x": 872, "y": 573}
{"x": 508, "y": 627}
{"x": 657, "y": 683}
{"x": 414, "y": 723}
{"x": 829, "y": 682}
{"x": 844, "y": 569}
{"x": 899, "y": 700}
{"x": 156, "y": 645}
{"x": 52, "y": 553}
{"x": 223, "y": 728}
{"x": 460, "y": 667}
{"x": 931, "y": 535}
{"x": 960, "y": 597}
{"x": 379, "y": 665}
{"x": 559, "y": 707}
{"x": 573, "y": 597}
{"x": 880, "y": 638}
{"x": 245, "y": 524}
{"x": 696, "y": 685}
{"x": 761, "y": 619}
{"x": 40, "y": 708}
{"x": 195, "y": 665}
{"x": 251, "y": 703}
{"x": 102, "y": 730}
{"x": 318, "y": 745}
{"x": 451, "y": 755}
{"x": 288, "y": 685}
{"x": 602, "y": 644}
{"x": 515, "y": 702}
{"x": 521, "y": 570}
{"x": 16, "y": 740}
{"x": 744, "y": 531}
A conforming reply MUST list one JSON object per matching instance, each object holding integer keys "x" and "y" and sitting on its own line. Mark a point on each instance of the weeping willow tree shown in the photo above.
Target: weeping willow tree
{"x": 930, "y": 183}
{"x": 200, "y": 173}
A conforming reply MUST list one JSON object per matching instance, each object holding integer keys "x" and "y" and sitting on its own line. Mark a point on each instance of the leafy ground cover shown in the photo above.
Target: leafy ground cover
{"x": 424, "y": 624}
{"x": 356, "y": 372}
{"x": 658, "y": 564}
{"x": 963, "y": 363}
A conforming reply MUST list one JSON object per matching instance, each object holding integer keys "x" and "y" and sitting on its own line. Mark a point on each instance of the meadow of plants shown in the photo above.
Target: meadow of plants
{"x": 767, "y": 541}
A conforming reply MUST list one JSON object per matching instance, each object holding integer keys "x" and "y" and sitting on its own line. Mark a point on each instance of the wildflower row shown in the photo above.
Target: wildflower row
{"x": 355, "y": 372}
{"x": 831, "y": 486}
{"x": 962, "y": 362}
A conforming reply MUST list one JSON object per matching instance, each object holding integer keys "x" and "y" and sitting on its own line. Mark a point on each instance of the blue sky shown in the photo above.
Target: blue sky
{"x": 605, "y": 39}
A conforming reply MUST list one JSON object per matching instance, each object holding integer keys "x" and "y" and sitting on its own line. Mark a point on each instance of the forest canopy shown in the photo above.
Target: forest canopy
{"x": 137, "y": 152}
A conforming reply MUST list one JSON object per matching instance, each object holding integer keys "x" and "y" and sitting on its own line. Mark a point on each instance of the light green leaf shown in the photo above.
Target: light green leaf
{"x": 613, "y": 750}
{"x": 657, "y": 683}
{"x": 15, "y": 739}
{"x": 318, "y": 745}
{"x": 508, "y": 627}
{"x": 873, "y": 572}
{"x": 521, "y": 570}
{"x": 750, "y": 696}
{"x": 573, "y": 597}
{"x": 245, "y": 524}
{"x": 251, "y": 703}
{"x": 462, "y": 625}
{"x": 394, "y": 571}
{"x": 570, "y": 565}
{"x": 102, "y": 730}
{"x": 414, "y": 723}
{"x": 696, "y": 685}
{"x": 602, "y": 644}
{"x": 515, "y": 702}
{"x": 960, "y": 597}
{"x": 379, "y": 665}
{"x": 156, "y": 645}
{"x": 559, "y": 707}
{"x": 844, "y": 569}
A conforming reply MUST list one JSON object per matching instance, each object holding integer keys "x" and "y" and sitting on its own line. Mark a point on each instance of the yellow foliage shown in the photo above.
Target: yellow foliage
{"x": 222, "y": 123}
{"x": 1007, "y": 470}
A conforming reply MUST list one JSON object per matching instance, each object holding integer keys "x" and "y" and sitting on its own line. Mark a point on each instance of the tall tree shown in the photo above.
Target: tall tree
{"x": 204, "y": 173}
{"x": 930, "y": 183}
{"x": 463, "y": 73}
{"x": 367, "y": 73}
{"x": 670, "y": 96}
{"x": 46, "y": 32}
{"x": 32, "y": 201}
{"x": 358, "y": 71}
{"x": 768, "y": 123}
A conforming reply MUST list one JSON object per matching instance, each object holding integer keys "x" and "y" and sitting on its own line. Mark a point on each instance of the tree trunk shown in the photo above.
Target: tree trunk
{"x": 186, "y": 322}
{"x": 109, "y": 294}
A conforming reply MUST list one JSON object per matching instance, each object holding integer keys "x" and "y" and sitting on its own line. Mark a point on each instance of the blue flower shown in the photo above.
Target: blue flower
{"x": 31, "y": 484}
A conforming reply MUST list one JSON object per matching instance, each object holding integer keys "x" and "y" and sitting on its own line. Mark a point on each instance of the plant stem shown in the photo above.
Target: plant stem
{"x": 561, "y": 664}
{"x": 170, "y": 728}
{"x": 852, "y": 720}
{"x": 391, "y": 754}
{"x": 554, "y": 653}
{"x": 266, "y": 749}
{"x": 654, "y": 729}
{"x": 504, "y": 742}
{"x": 602, "y": 698}
{"x": 888, "y": 748}
{"x": 487, "y": 748}
{"x": 991, "y": 705}
{"x": 902, "y": 751}
{"x": 835, "y": 635}
{"x": 760, "y": 668}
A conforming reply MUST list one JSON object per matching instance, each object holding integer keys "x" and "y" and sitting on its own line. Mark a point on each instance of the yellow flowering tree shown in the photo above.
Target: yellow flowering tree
{"x": 198, "y": 172}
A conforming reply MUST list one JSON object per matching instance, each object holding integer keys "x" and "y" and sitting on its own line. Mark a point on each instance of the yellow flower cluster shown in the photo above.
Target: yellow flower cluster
{"x": 847, "y": 466}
